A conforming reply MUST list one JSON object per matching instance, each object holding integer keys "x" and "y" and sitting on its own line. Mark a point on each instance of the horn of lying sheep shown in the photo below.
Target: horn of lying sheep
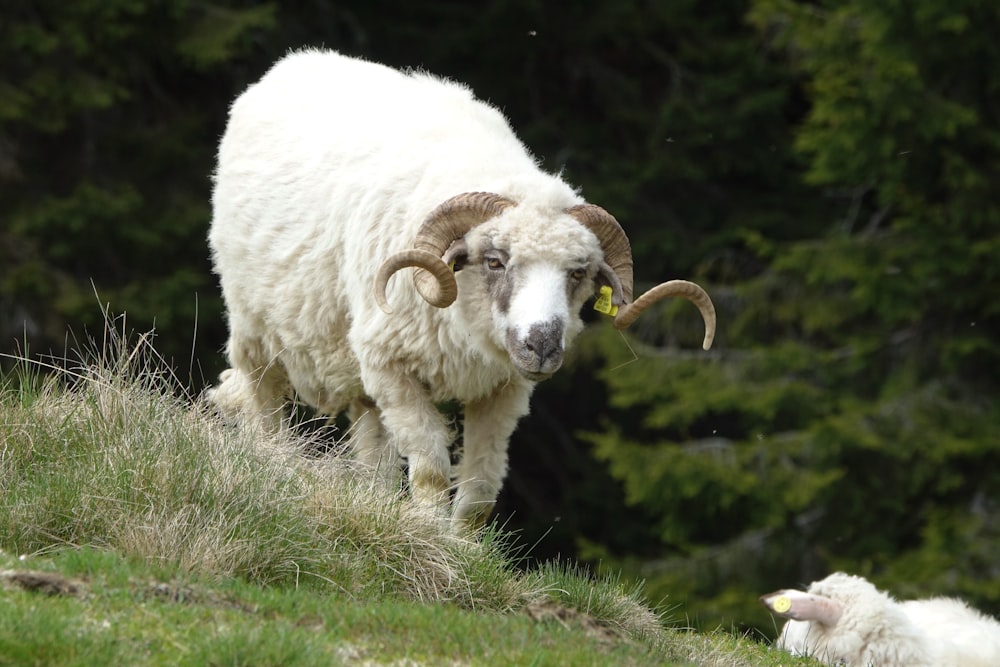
{"x": 446, "y": 224}
{"x": 618, "y": 256}
{"x": 802, "y": 606}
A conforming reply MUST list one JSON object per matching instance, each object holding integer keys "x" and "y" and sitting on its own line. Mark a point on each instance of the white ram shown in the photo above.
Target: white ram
{"x": 333, "y": 174}
{"x": 844, "y": 620}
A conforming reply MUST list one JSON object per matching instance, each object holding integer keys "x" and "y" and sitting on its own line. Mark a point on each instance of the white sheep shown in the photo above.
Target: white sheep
{"x": 844, "y": 620}
{"x": 333, "y": 174}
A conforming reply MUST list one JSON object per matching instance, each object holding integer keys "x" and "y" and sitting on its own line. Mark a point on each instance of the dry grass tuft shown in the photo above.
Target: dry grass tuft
{"x": 111, "y": 452}
{"x": 115, "y": 454}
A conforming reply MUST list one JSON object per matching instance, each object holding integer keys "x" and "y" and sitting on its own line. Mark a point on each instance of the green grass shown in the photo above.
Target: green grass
{"x": 124, "y": 614}
{"x": 138, "y": 529}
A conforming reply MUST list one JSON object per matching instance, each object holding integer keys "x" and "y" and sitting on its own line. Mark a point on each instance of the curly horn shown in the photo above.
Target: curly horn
{"x": 618, "y": 256}
{"x": 628, "y": 313}
{"x": 446, "y": 224}
{"x": 613, "y": 240}
{"x": 443, "y": 289}
{"x": 802, "y": 606}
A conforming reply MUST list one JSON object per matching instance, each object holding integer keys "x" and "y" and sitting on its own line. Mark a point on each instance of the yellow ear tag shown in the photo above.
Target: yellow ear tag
{"x": 603, "y": 303}
{"x": 781, "y": 604}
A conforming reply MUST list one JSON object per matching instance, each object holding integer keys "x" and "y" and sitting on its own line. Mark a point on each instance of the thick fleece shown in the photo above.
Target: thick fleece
{"x": 328, "y": 166}
{"x": 844, "y": 620}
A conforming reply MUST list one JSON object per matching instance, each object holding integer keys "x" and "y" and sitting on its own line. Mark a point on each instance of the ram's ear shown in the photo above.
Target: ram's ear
{"x": 457, "y": 255}
{"x": 607, "y": 277}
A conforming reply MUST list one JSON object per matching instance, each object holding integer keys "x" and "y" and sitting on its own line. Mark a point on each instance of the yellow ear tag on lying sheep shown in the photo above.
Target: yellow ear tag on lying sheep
{"x": 781, "y": 604}
{"x": 603, "y": 303}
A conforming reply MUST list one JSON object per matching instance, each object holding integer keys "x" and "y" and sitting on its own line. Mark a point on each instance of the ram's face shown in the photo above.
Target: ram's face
{"x": 534, "y": 277}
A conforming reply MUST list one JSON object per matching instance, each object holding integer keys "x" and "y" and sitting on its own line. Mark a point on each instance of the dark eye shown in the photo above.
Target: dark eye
{"x": 494, "y": 264}
{"x": 578, "y": 274}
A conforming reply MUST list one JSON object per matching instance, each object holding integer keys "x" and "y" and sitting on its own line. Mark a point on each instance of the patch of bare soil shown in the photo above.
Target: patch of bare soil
{"x": 185, "y": 594}
{"x": 547, "y": 610}
{"x": 48, "y": 583}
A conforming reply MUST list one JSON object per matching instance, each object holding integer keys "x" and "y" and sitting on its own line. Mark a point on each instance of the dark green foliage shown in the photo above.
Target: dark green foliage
{"x": 108, "y": 118}
{"x": 849, "y": 418}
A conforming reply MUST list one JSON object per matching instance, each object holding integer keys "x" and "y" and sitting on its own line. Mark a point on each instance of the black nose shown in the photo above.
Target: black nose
{"x": 544, "y": 343}
{"x": 540, "y": 352}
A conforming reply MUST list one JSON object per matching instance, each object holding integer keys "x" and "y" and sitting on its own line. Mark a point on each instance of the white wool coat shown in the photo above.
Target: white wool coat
{"x": 329, "y": 165}
{"x": 874, "y": 629}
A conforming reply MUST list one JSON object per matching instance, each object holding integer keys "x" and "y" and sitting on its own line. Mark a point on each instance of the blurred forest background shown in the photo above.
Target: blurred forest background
{"x": 827, "y": 170}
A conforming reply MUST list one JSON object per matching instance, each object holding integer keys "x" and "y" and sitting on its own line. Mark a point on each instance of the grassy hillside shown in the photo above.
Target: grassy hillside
{"x": 138, "y": 529}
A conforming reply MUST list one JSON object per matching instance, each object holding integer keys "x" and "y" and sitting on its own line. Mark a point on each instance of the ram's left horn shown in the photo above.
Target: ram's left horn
{"x": 618, "y": 255}
{"x": 683, "y": 289}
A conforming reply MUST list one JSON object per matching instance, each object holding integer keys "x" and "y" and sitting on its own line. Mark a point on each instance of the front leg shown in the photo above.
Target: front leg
{"x": 419, "y": 431}
{"x": 489, "y": 423}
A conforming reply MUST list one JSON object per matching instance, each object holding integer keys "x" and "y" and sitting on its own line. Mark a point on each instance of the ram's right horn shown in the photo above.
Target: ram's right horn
{"x": 446, "y": 224}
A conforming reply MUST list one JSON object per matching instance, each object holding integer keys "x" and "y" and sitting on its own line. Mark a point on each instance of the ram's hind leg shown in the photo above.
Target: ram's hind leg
{"x": 255, "y": 388}
{"x": 371, "y": 445}
{"x": 488, "y": 425}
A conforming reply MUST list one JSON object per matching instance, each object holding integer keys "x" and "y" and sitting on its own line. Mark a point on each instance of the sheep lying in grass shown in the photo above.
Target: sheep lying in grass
{"x": 334, "y": 175}
{"x": 845, "y": 620}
